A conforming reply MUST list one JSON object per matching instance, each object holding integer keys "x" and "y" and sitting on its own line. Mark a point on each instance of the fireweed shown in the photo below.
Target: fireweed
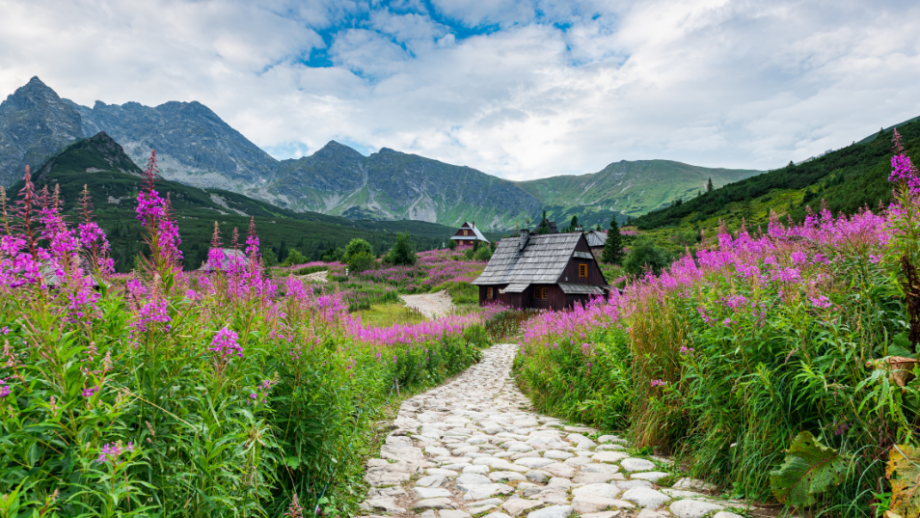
{"x": 722, "y": 359}
{"x": 188, "y": 394}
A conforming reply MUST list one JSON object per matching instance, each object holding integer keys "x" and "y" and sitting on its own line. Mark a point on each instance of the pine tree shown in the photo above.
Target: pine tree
{"x": 574, "y": 224}
{"x": 613, "y": 247}
{"x": 709, "y": 185}
{"x": 544, "y": 225}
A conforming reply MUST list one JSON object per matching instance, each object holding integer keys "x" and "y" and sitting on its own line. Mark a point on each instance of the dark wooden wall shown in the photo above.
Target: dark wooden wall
{"x": 595, "y": 276}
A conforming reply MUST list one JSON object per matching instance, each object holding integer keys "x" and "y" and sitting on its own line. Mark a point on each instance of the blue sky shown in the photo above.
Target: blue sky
{"x": 517, "y": 88}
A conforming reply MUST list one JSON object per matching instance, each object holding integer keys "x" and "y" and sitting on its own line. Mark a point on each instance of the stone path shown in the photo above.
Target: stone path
{"x": 430, "y": 305}
{"x": 322, "y": 276}
{"x": 473, "y": 447}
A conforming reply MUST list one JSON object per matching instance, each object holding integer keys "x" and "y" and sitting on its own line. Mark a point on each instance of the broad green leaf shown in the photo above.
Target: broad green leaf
{"x": 810, "y": 469}
{"x": 903, "y": 471}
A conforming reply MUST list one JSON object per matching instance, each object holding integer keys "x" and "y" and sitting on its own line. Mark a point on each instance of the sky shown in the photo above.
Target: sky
{"x": 522, "y": 89}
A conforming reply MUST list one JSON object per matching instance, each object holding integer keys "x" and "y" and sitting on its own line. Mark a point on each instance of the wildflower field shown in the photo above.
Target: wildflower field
{"x": 163, "y": 392}
{"x": 778, "y": 364}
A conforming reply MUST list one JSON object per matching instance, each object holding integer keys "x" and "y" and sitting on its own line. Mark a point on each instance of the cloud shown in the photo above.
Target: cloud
{"x": 522, "y": 89}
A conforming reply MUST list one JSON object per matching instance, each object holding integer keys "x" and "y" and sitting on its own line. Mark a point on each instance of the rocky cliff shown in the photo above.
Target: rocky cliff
{"x": 34, "y": 124}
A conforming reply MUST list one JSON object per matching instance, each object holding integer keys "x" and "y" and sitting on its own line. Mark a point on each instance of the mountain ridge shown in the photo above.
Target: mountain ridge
{"x": 113, "y": 180}
{"x": 198, "y": 148}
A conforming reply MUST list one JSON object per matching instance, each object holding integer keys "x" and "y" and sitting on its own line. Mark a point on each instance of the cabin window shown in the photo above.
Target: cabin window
{"x": 489, "y": 294}
{"x": 466, "y": 232}
{"x": 540, "y": 293}
{"x": 583, "y": 271}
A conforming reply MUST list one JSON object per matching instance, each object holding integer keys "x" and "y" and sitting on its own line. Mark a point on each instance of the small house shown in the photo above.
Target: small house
{"x": 549, "y": 271}
{"x": 596, "y": 239}
{"x": 468, "y": 234}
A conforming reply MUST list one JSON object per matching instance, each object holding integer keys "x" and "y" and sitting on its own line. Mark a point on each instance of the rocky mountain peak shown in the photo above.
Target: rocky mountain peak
{"x": 34, "y": 124}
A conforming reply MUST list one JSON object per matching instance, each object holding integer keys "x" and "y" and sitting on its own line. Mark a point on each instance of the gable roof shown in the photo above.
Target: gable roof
{"x": 596, "y": 238}
{"x": 541, "y": 262}
{"x": 475, "y": 230}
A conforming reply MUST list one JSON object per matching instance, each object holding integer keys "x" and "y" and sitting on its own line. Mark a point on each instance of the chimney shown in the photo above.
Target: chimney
{"x": 474, "y": 224}
{"x": 525, "y": 236}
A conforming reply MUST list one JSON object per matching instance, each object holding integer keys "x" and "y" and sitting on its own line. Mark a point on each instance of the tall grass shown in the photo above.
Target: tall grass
{"x": 172, "y": 394}
{"x": 723, "y": 359}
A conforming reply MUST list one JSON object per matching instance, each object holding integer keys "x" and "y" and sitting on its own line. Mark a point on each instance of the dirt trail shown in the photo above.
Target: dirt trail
{"x": 431, "y": 305}
{"x": 316, "y": 276}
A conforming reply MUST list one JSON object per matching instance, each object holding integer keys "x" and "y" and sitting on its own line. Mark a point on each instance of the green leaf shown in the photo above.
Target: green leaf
{"x": 292, "y": 462}
{"x": 903, "y": 471}
{"x": 810, "y": 469}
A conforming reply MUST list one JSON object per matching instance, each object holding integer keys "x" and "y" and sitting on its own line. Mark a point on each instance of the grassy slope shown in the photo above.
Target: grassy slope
{"x": 631, "y": 188}
{"x": 845, "y": 181}
{"x": 196, "y": 211}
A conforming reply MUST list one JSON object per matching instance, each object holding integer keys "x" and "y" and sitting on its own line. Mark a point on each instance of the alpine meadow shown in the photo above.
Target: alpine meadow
{"x": 459, "y": 259}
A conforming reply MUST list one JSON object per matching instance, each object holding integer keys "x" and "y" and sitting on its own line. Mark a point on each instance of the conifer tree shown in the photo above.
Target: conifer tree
{"x": 709, "y": 185}
{"x": 613, "y": 247}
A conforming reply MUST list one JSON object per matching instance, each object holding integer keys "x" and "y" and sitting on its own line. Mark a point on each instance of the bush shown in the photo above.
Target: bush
{"x": 332, "y": 255}
{"x": 360, "y": 262}
{"x": 294, "y": 257}
{"x": 452, "y": 244}
{"x": 643, "y": 256}
{"x": 484, "y": 253}
{"x": 356, "y": 247}
{"x": 403, "y": 251}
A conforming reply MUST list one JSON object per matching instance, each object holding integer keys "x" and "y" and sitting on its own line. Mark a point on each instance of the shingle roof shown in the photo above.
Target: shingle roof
{"x": 579, "y": 289}
{"x": 542, "y": 261}
{"x": 475, "y": 230}
{"x": 596, "y": 238}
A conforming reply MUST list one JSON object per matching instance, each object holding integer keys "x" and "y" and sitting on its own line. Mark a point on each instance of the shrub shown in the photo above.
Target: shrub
{"x": 643, "y": 256}
{"x": 360, "y": 262}
{"x": 356, "y": 247}
{"x": 403, "y": 251}
{"x": 294, "y": 257}
{"x": 483, "y": 254}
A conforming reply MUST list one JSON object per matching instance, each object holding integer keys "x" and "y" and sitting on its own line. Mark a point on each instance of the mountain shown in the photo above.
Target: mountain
{"x": 393, "y": 185}
{"x": 113, "y": 181}
{"x": 844, "y": 181}
{"x": 197, "y": 148}
{"x": 34, "y": 124}
{"x": 630, "y": 188}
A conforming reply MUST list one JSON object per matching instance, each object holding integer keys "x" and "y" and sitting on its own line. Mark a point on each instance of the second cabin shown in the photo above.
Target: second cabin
{"x": 468, "y": 234}
{"x": 549, "y": 271}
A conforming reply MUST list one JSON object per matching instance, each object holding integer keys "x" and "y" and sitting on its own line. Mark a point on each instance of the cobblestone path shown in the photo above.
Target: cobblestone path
{"x": 474, "y": 448}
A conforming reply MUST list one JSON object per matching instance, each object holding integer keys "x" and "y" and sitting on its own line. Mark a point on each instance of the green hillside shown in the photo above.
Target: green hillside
{"x": 113, "y": 181}
{"x": 844, "y": 181}
{"x": 629, "y": 188}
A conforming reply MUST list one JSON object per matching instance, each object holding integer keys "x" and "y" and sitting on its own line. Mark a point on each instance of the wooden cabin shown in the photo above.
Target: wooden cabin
{"x": 596, "y": 239}
{"x": 468, "y": 234}
{"x": 549, "y": 271}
